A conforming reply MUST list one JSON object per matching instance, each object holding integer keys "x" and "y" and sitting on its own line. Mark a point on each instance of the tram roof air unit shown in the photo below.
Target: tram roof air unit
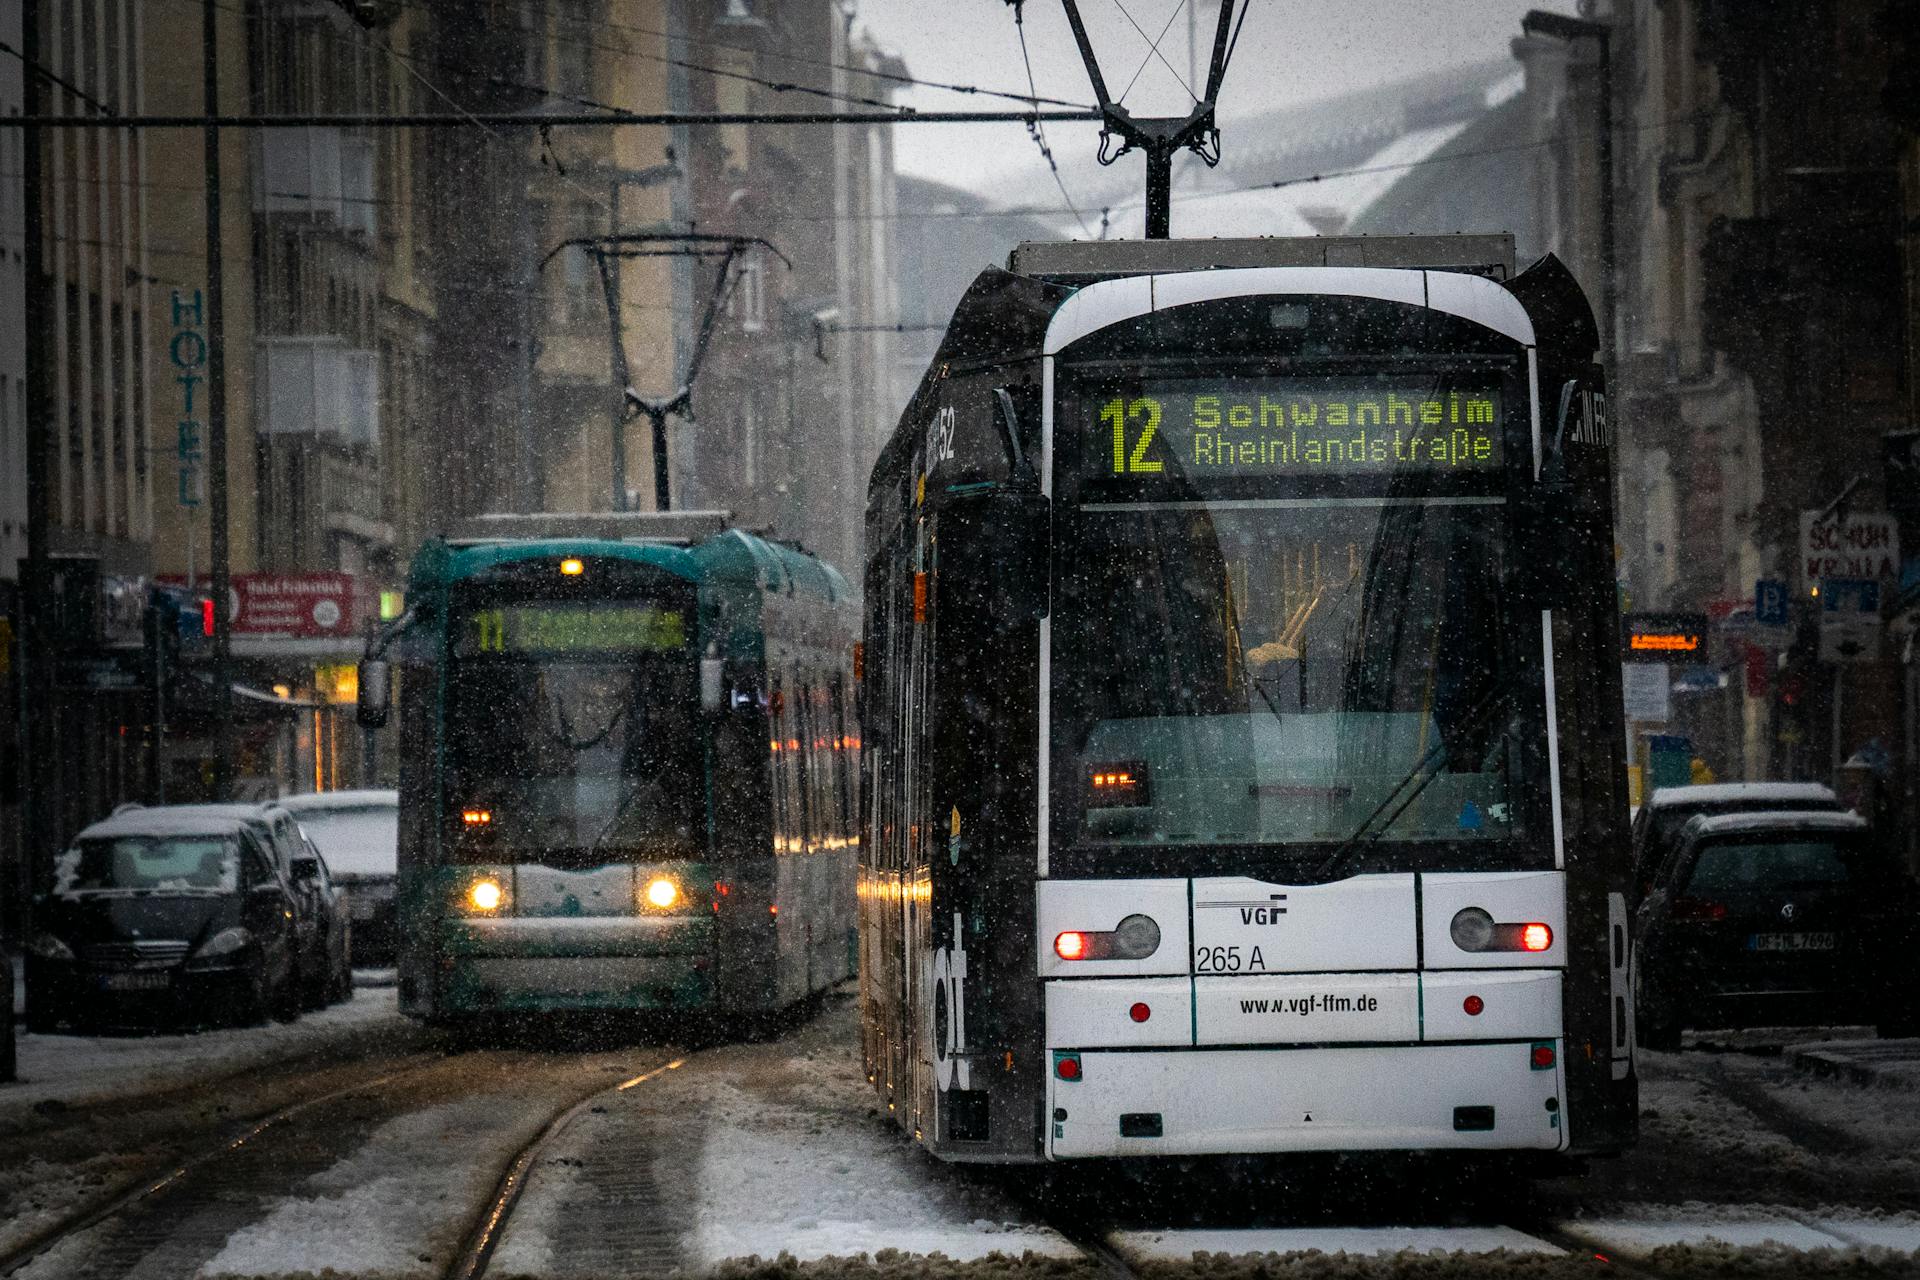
{"x": 1080, "y": 260}
{"x": 679, "y": 528}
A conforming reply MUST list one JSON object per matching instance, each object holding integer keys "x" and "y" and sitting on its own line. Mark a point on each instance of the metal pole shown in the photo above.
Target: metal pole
{"x": 1159, "y": 192}
{"x": 218, "y": 551}
{"x": 1839, "y": 692}
{"x": 662, "y": 494}
{"x": 40, "y": 819}
{"x": 610, "y": 285}
{"x": 1609, "y": 263}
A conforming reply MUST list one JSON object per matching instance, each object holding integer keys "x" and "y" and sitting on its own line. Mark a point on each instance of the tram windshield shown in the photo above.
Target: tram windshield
{"x": 572, "y": 736}
{"x": 1283, "y": 671}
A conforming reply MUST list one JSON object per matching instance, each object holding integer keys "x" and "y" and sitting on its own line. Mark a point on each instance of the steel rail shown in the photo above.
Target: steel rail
{"x": 483, "y": 1237}
{"x": 90, "y": 1216}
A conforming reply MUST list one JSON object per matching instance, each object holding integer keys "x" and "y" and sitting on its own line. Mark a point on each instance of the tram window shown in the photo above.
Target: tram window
{"x": 579, "y": 761}
{"x": 1276, "y": 672}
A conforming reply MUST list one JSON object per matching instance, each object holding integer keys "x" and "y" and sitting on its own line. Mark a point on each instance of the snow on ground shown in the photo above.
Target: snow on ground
{"x": 1645, "y": 1228}
{"x": 77, "y": 1069}
{"x": 404, "y": 1196}
{"x": 1181, "y": 1246}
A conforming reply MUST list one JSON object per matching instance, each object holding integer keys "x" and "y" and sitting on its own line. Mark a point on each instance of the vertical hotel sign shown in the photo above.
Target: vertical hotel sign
{"x": 187, "y": 350}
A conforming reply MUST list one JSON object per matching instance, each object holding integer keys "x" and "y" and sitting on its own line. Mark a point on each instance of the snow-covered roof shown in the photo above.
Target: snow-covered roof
{"x": 1775, "y": 820}
{"x": 1783, "y": 794}
{"x": 164, "y": 821}
{"x": 319, "y": 801}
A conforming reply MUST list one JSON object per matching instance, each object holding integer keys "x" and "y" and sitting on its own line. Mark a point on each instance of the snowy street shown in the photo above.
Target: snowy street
{"x": 354, "y": 1144}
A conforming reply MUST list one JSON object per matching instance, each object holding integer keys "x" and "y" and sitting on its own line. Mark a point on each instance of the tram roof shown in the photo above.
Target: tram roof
{"x": 731, "y": 556}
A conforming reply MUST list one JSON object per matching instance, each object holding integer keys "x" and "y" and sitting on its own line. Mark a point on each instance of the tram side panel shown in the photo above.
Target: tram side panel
{"x": 1576, "y": 585}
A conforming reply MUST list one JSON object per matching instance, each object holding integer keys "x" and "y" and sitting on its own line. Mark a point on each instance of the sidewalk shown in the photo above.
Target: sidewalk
{"x": 1891, "y": 1064}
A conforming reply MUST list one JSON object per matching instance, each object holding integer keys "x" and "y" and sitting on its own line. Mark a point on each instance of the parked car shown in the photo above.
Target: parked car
{"x": 157, "y": 915}
{"x": 319, "y": 914}
{"x": 1776, "y": 919}
{"x": 1657, "y": 823}
{"x": 310, "y": 870}
{"x": 359, "y": 832}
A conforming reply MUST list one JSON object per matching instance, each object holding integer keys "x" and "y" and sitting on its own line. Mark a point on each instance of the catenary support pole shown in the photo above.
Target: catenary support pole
{"x": 40, "y": 826}
{"x": 218, "y": 550}
{"x": 610, "y": 285}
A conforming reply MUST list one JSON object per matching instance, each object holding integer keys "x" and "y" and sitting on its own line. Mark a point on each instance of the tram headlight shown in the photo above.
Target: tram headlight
{"x": 662, "y": 893}
{"x": 486, "y": 895}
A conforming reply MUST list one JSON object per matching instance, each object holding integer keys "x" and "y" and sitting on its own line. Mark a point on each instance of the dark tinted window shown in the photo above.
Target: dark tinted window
{"x": 1735, "y": 869}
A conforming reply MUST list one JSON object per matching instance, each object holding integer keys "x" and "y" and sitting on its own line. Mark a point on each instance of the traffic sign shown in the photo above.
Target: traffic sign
{"x": 1770, "y": 602}
{"x": 1849, "y": 620}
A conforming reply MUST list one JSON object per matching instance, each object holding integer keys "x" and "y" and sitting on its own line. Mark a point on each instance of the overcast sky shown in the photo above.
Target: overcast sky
{"x": 1290, "y": 51}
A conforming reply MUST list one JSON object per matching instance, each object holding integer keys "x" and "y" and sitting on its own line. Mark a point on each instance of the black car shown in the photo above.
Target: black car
{"x": 359, "y": 832}
{"x": 1775, "y": 919}
{"x": 159, "y": 917}
{"x": 320, "y": 916}
{"x": 1657, "y": 825}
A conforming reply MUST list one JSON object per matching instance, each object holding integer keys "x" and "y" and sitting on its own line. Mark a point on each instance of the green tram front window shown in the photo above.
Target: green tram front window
{"x": 1278, "y": 614}
{"x": 572, "y": 735}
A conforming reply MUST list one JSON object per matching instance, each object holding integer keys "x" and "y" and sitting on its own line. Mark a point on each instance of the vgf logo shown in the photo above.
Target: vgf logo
{"x": 1260, "y": 911}
{"x": 951, "y": 1067}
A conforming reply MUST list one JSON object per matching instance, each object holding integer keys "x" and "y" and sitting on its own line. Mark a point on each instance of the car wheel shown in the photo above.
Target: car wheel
{"x": 39, "y": 1021}
{"x": 288, "y": 998}
{"x": 250, "y": 1007}
{"x": 342, "y": 987}
{"x": 313, "y": 990}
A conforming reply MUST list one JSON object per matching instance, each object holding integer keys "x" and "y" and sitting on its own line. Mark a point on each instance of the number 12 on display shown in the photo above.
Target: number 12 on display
{"x": 1118, "y": 412}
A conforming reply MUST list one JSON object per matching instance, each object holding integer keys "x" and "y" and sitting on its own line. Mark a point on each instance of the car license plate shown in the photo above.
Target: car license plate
{"x": 137, "y": 981}
{"x": 1793, "y": 942}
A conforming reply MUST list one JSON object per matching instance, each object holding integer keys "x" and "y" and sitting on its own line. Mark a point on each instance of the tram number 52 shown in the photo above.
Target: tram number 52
{"x": 1143, "y": 413}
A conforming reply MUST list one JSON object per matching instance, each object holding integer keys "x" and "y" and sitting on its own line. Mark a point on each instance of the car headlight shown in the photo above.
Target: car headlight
{"x": 224, "y": 943}
{"x": 44, "y": 945}
{"x": 486, "y": 896}
{"x": 662, "y": 893}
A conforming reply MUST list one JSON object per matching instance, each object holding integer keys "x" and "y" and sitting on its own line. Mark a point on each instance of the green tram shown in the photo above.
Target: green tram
{"x": 628, "y": 768}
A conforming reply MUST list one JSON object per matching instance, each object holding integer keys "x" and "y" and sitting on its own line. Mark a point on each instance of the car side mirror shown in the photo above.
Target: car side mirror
{"x": 306, "y": 868}
{"x": 376, "y": 692}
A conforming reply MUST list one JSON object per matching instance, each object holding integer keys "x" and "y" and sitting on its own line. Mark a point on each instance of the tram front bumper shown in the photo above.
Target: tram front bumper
{"x": 552, "y": 964}
{"x": 1455, "y": 1097}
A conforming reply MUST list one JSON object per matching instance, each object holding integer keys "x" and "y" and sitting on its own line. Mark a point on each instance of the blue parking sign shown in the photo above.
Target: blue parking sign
{"x": 1770, "y": 602}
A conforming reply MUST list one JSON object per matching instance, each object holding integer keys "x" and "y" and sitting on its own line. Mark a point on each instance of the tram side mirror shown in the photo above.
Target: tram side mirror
{"x": 713, "y": 685}
{"x": 1021, "y": 474}
{"x": 376, "y": 692}
{"x": 1553, "y": 455}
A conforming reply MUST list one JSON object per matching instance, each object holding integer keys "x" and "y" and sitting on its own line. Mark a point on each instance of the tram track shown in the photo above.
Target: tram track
{"x": 489, "y": 1225}
{"x": 161, "y": 1178}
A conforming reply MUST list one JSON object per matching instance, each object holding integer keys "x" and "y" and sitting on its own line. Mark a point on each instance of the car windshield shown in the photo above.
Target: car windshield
{"x": 148, "y": 864}
{"x": 355, "y": 842}
{"x": 1735, "y": 869}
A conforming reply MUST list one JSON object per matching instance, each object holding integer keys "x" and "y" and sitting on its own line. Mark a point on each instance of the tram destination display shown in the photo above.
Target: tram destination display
{"x": 1294, "y": 427}
{"x": 567, "y": 628}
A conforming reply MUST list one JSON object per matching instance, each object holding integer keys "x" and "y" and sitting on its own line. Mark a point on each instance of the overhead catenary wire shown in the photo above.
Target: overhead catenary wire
{"x": 1039, "y": 134}
{"x": 54, "y": 78}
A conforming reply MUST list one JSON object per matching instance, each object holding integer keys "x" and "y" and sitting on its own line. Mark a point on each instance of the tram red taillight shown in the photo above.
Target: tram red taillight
{"x": 1118, "y": 784}
{"x": 1473, "y": 929}
{"x": 1535, "y": 937}
{"x": 1066, "y": 1066}
{"x": 1134, "y": 938}
{"x": 1473, "y": 1006}
{"x": 1140, "y": 1012}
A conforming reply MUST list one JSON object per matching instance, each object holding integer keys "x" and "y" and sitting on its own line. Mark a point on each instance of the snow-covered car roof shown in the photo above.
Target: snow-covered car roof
{"x": 1722, "y": 824}
{"x": 322, "y": 801}
{"x": 1782, "y": 793}
{"x": 163, "y": 821}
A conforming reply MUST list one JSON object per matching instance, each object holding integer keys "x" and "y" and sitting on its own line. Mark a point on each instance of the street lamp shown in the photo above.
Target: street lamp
{"x": 1560, "y": 26}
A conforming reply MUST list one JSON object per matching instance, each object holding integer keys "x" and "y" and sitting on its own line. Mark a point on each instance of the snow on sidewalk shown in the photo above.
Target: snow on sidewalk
{"x": 1641, "y": 1229}
{"x": 1891, "y": 1064}
{"x": 1180, "y": 1246}
{"x": 77, "y": 1069}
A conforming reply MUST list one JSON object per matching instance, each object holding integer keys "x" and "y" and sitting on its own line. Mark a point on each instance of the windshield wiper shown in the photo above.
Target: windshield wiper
{"x": 1419, "y": 778}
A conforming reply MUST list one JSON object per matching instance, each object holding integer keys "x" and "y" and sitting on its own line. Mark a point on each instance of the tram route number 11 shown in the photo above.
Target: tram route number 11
{"x": 1145, "y": 413}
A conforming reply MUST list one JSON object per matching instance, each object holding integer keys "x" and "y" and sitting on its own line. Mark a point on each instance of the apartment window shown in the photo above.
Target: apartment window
{"x": 319, "y": 387}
